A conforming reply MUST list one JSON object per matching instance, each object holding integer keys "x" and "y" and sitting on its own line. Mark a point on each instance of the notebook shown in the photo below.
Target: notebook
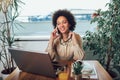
{"x": 35, "y": 62}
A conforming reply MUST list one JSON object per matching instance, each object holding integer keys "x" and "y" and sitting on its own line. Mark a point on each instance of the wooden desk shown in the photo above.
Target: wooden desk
{"x": 17, "y": 75}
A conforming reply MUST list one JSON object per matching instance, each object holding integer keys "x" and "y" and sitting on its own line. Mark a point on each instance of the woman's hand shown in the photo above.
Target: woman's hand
{"x": 73, "y": 37}
{"x": 54, "y": 34}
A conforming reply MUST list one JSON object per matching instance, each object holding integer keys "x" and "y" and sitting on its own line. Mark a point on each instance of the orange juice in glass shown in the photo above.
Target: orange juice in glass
{"x": 63, "y": 76}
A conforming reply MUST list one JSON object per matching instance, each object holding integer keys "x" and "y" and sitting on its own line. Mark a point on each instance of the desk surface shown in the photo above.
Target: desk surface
{"x": 17, "y": 75}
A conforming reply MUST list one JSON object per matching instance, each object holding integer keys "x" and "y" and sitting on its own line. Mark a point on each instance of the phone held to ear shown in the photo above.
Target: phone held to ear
{"x": 58, "y": 32}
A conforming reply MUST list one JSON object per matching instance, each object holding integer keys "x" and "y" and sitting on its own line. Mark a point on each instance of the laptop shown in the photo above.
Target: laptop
{"x": 35, "y": 62}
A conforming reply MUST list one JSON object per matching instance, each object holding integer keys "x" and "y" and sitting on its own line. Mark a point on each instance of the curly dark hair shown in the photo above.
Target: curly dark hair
{"x": 67, "y": 14}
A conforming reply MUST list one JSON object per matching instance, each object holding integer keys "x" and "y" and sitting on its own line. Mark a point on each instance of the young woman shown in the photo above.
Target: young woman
{"x": 64, "y": 44}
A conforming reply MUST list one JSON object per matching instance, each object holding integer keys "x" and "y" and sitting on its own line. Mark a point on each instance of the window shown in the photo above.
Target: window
{"x": 35, "y": 16}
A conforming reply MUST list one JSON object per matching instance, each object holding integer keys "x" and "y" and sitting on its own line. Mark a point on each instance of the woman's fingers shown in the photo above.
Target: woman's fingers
{"x": 54, "y": 33}
{"x": 70, "y": 34}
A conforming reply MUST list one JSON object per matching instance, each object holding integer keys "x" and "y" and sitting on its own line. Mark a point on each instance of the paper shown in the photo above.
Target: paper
{"x": 89, "y": 71}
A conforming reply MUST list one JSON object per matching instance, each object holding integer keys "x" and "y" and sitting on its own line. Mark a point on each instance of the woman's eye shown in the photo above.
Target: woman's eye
{"x": 58, "y": 24}
{"x": 64, "y": 22}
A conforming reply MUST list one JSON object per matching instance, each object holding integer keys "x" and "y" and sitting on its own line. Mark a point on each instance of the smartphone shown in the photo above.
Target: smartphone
{"x": 58, "y": 31}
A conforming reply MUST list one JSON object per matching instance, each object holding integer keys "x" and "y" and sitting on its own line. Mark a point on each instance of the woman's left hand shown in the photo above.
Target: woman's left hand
{"x": 73, "y": 37}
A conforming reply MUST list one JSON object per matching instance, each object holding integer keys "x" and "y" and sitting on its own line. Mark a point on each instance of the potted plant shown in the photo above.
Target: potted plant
{"x": 77, "y": 67}
{"x": 105, "y": 41}
{"x": 9, "y": 12}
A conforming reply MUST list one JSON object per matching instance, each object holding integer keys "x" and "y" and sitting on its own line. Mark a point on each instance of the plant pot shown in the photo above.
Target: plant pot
{"x": 78, "y": 77}
{"x": 4, "y": 76}
{"x": 113, "y": 73}
{"x": 5, "y": 73}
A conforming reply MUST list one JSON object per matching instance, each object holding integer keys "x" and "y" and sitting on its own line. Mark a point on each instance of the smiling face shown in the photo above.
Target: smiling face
{"x": 63, "y": 24}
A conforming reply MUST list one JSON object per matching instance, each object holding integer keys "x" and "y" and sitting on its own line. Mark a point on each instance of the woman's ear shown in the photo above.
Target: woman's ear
{"x": 69, "y": 26}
